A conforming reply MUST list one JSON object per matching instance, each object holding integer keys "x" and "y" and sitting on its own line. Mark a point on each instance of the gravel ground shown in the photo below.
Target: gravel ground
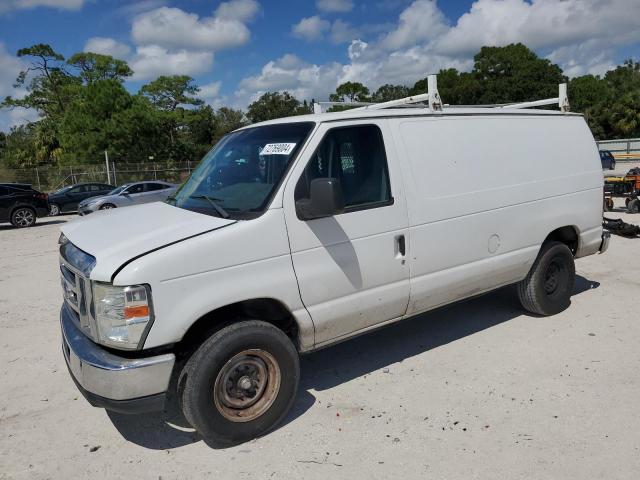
{"x": 475, "y": 390}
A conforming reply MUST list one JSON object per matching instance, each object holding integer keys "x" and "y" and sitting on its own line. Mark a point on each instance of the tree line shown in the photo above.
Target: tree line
{"x": 84, "y": 108}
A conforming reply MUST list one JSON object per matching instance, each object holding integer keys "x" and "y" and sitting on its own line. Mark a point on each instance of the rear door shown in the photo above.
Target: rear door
{"x": 351, "y": 267}
{"x": 73, "y": 197}
{"x": 5, "y": 203}
{"x": 157, "y": 191}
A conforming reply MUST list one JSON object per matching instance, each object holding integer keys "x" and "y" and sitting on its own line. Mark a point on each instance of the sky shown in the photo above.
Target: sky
{"x": 238, "y": 49}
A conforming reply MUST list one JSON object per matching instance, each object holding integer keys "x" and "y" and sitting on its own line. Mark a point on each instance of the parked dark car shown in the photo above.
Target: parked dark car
{"x": 20, "y": 204}
{"x": 67, "y": 199}
{"x": 607, "y": 159}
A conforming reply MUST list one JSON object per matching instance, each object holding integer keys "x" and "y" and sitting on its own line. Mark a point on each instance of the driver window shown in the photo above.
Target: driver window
{"x": 356, "y": 157}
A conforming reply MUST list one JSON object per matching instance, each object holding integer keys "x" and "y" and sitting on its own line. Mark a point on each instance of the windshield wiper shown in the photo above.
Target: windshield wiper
{"x": 221, "y": 211}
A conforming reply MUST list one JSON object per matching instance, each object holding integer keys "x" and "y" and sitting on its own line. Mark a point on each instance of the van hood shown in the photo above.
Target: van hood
{"x": 118, "y": 235}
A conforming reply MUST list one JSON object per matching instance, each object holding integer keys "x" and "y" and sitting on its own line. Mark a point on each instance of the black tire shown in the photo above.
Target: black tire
{"x": 23, "y": 217}
{"x": 547, "y": 288}
{"x": 634, "y": 206}
{"x": 613, "y": 166}
{"x": 210, "y": 374}
{"x": 54, "y": 210}
{"x": 107, "y": 206}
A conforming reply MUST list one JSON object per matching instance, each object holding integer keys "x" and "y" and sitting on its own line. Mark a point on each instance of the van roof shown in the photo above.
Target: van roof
{"x": 362, "y": 113}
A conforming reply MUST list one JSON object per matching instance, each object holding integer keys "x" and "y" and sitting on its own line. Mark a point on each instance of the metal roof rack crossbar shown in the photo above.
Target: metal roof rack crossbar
{"x": 434, "y": 103}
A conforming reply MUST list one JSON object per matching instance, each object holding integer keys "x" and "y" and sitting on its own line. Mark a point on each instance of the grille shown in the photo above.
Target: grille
{"x": 76, "y": 291}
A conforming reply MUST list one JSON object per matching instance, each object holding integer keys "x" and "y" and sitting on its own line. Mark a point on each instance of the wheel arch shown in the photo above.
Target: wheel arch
{"x": 269, "y": 310}
{"x": 568, "y": 234}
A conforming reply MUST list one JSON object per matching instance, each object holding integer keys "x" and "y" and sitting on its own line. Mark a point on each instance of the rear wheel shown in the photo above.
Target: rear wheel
{"x": 54, "y": 210}
{"x": 23, "y": 217}
{"x": 241, "y": 382}
{"x": 107, "y": 206}
{"x": 547, "y": 288}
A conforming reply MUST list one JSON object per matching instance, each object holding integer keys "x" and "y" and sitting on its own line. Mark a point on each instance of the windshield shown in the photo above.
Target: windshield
{"x": 116, "y": 191}
{"x": 62, "y": 190}
{"x": 239, "y": 175}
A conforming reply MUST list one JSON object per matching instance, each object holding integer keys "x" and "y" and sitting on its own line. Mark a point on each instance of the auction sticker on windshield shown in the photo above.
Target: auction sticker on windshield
{"x": 277, "y": 149}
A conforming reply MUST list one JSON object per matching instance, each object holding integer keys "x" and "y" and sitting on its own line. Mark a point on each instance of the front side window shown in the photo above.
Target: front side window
{"x": 238, "y": 177}
{"x": 355, "y": 156}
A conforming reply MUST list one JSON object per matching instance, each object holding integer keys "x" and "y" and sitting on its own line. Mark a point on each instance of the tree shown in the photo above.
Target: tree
{"x": 93, "y": 67}
{"x": 169, "y": 92}
{"x": 46, "y": 80}
{"x": 273, "y": 105}
{"x": 226, "y": 120}
{"x": 350, "y": 92}
{"x": 389, "y": 92}
{"x": 514, "y": 73}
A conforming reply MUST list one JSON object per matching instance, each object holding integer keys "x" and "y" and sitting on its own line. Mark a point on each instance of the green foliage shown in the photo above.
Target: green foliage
{"x": 350, "y": 92}
{"x": 84, "y": 108}
{"x": 94, "y": 67}
{"x": 389, "y": 92}
{"x": 273, "y": 105}
{"x": 168, "y": 93}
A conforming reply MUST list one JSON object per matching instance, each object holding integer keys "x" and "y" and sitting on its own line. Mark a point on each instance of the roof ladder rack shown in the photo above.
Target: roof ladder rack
{"x": 562, "y": 100}
{"x": 434, "y": 103}
{"x": 432, "y": 98}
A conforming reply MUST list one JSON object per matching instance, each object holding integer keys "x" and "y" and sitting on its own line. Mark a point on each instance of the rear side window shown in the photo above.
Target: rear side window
{"x": 152, "y": 187}
{"x": 96, "y": 188}
{"x": 356, "y": 157}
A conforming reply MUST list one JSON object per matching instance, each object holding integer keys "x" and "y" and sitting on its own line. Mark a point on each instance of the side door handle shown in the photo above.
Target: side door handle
{"x": 402, "y": 247}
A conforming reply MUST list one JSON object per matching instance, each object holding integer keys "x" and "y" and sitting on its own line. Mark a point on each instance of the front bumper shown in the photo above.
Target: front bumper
{"x": 112, "y": 382}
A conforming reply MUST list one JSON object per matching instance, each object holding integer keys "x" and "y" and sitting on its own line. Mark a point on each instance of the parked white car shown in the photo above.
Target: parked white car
{"x": 297, "y": 233}
{"x": 134, "y": 193}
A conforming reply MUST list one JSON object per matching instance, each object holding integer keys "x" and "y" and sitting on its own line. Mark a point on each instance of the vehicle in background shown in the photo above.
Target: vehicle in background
{"x": 607, "y": 159}
{"x": 67, "y": 199}
{"x": 134, "y": 193}
{"x": 20, "y": 204}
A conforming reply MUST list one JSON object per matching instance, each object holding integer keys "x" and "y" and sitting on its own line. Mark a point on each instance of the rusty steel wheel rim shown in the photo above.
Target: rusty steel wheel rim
{"x": 247, "y": 385}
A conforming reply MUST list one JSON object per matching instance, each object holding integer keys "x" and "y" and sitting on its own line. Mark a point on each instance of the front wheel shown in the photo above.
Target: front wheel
{"x": 241, "y": 382}
{"x": 633, "y": 206}
{"x": 547, "y": 288}
{"x": 107, "y": 206}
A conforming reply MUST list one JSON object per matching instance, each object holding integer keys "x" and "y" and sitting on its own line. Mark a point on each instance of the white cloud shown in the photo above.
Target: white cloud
{"x": 7, "y": 5}
{"x": 585, "y": 58}
{"x": 311, "y": 28}
{"x": 421, "y": 21}
{"x": 240, "y": 10}
{"x": 107, "y": 46}
{"x": 10, "y": 67}
{"x": 334, "y": 5}
{"x": 582, "y": 36}
{"x": 175, "y": 28}
{"x": 289, "y": 72}
{"x": 210, "y": 93}
{"x": 151, "y": 61}
{"x": 543, "y": 24}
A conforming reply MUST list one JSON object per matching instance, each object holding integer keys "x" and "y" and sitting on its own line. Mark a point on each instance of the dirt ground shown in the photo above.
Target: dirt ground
{"x": 474, "y": 390}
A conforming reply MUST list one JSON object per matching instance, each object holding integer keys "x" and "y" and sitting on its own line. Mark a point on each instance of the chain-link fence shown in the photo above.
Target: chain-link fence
{"x": 49, "y": 179}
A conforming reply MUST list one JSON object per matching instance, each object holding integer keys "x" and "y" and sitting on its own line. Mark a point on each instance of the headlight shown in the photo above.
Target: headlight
{"x": 62, "y": 240}
{"x": 123, "y": 314}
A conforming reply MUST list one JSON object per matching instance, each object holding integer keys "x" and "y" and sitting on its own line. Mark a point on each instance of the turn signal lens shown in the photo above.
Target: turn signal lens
{"x": 136, "y": 312}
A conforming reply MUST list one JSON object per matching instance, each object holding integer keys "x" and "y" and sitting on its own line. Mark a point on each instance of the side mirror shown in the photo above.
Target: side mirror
{"x": 325, "y": 199}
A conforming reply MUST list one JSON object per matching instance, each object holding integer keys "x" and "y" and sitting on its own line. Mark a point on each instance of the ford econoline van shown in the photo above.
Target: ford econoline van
{"x": 301, "y": 232}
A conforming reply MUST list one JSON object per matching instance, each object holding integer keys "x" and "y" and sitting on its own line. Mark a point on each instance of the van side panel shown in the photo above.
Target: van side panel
{"x": 485, "y": 191}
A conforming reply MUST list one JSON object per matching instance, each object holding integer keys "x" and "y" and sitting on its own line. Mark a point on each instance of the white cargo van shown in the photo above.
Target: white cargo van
{"x": 297, "y": 233}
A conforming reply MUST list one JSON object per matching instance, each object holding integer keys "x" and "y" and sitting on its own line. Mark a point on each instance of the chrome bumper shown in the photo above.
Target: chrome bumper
{"x": 106, "y": 375}
{"x": 606, "y": 236}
